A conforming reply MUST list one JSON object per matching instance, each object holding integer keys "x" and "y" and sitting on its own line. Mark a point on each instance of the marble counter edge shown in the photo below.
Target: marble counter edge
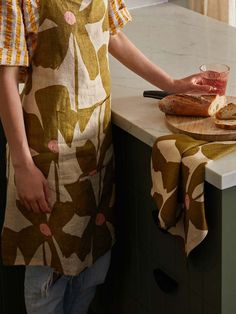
{"x": 219, "y": 173}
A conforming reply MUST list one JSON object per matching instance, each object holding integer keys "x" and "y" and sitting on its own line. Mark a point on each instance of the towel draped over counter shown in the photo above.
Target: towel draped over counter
{"x": 178, "y": 174}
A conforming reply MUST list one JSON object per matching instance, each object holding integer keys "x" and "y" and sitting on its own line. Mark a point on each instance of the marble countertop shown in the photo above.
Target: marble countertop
{"x": 178, "y": 40}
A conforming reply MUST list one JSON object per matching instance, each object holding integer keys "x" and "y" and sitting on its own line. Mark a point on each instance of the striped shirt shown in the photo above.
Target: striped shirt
{"x": 118, "y": 15}
{"x": 19, "y": 24}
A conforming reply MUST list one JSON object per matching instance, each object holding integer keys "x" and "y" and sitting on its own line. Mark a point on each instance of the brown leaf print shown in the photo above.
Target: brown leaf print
{"x": 65, "y": 15}
{"x": 85, "y": 202}
{"x": 42, "y": 230}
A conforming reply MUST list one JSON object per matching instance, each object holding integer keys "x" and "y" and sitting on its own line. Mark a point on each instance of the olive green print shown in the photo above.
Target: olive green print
{"x": 58, "y": 97}
{"x": 168, "y": 211}
{"x": 107, "y": 116}
{"x": 99, "y": 210}
{"x": 57, "y": 38}
{"x": 104, "y": 68}
{"x": 105, "y": 147}
{"x": 42, "y": 231}
{"x": 39, "y": 141}
{"x": 217, "y": 149}
{"x": 180, "y": 198}
{"x": 67, "y": 114}
{"x": 66, "y": 118}
{"x": 87, "y": 157}
{"x": 105, "y": 24}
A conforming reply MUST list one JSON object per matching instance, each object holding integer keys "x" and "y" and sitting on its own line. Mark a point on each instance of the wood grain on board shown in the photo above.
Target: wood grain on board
{"x": 200, "y": 128}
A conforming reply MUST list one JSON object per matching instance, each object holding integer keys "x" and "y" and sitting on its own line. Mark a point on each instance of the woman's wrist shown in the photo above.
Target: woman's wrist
{"x": 25, "y": 161}
{"x": 175, "y": 86}
{"x": 23, "y": 165}
{"x": 166, "y": 83}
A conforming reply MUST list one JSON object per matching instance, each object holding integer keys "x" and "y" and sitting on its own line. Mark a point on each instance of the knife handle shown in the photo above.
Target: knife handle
{"x": 157, "y": 94}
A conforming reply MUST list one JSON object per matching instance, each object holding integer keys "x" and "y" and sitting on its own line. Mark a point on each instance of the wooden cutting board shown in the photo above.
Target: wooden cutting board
{"x": 200, "y": 128}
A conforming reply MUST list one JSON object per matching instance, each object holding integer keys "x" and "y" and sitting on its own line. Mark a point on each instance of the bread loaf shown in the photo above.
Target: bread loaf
{"x": 226, "y": 124}
{"x": 197, "y": 106}
{"x": 227, "y": 112}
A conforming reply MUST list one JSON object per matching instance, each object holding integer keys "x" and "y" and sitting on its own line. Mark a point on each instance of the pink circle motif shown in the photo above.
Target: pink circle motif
{"x": 100, "y": 219}
{"x": 45, "y": 230}
{"x": 187, "y": 201}
{"x": 93, "y": 172}
{"x": 70, "y": 18}
{"x": 53, "y": 146}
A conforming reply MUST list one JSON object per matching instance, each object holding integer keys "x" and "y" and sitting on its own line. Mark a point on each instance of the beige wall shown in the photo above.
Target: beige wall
{"x": 214, "y": 8}
{"x": 223, "y": 10}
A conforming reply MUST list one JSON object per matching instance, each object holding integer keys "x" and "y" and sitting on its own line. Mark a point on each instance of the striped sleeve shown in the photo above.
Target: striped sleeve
{"x": 118, "y": 15}
{"x": 13, "y": 47}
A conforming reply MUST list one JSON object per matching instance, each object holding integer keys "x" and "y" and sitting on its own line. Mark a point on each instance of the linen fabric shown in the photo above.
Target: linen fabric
{"x": 178, "y": 174}
{"x": 66, "y": 106}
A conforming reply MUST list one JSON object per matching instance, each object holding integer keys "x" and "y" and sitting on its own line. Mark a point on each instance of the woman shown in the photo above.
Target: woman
{"x": 60, "y": 192}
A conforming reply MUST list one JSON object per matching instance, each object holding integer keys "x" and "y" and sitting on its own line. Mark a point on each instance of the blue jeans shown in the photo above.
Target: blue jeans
{"x": 47, "y": 294}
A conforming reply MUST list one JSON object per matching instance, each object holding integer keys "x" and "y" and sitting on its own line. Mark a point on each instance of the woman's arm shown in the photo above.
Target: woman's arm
{"x": 12, "y": 117}
{"x": 31, "y": 185}
{"x": 124, "y": 51}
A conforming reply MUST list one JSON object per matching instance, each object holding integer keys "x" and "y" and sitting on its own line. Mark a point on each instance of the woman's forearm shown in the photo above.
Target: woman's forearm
{"x": 125, "y": 51}
{"x": 12, "y": 117}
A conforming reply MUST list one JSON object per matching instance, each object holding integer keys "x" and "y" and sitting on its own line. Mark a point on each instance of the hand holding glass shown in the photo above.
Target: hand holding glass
{"x": 215, "y": 75}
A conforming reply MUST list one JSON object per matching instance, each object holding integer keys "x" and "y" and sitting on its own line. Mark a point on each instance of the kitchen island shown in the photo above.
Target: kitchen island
{"x": 150, "y": 274}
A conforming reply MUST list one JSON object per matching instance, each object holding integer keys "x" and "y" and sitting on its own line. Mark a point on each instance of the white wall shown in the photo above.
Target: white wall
{"x": 141, "y": 3}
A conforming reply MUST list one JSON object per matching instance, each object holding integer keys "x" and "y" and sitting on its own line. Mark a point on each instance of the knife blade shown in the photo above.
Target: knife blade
{"x": 157, "y": 94}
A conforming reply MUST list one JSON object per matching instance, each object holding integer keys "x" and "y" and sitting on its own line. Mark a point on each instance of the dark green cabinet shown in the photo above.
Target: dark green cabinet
{"x": 152, "y": 275}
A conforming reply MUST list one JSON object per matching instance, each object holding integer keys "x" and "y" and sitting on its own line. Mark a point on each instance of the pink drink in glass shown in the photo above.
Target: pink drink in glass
{"x": 215, "y": 75}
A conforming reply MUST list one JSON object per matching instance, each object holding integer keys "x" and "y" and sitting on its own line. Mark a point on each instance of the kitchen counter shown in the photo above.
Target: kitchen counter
{"x": 179, "y": 41}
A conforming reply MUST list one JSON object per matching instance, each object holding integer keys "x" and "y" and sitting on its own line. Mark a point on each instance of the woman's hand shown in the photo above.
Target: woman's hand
{"x": 193, "y": 84}
{"x": 32, "y": 189}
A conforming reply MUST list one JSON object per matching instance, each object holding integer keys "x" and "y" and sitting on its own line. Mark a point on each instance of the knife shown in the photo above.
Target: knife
{"x": 157, "y": 94}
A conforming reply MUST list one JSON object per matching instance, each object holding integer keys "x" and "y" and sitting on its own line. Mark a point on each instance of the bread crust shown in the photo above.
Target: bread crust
{"x": 225, "y": 124}
{"x": 228, "y": 112}
{"x": 197, "y": 106}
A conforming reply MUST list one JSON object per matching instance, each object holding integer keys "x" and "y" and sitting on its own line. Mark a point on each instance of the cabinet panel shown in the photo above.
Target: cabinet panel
{"x": 198, "y": 277}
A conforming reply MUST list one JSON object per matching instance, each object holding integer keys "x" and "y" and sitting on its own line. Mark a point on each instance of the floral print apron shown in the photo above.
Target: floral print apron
{"x": 66, "y": 105}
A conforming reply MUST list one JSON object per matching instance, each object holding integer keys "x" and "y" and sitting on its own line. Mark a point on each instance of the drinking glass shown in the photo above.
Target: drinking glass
{"x": 216, "y": 75}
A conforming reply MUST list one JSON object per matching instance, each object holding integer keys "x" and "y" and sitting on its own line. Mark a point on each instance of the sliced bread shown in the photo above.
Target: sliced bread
{"x": 197, "y": 106}
{"x": 226, "y": 124}
{"x": 228, "y": 112}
